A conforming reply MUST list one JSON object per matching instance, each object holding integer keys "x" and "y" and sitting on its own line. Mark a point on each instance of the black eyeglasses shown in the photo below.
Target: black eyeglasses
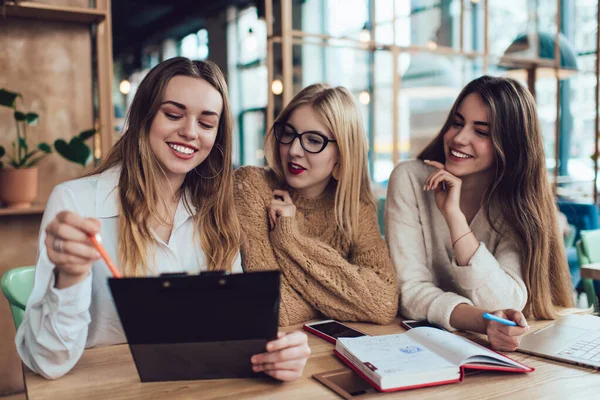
{"x": 313, "y": 142}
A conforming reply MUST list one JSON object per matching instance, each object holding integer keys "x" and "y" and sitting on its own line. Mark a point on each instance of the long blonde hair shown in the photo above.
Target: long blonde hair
{"x": 340, "y": 115}
{"x": 216, "y": 220}
{"x": 520, "y": 190}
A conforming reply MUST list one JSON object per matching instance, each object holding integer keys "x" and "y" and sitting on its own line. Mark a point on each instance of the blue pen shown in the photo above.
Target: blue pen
{"x": 498, "y": 319}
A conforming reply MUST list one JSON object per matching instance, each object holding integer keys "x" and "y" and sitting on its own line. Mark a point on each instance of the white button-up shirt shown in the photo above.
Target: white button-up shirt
{"x": 60, "y": 323}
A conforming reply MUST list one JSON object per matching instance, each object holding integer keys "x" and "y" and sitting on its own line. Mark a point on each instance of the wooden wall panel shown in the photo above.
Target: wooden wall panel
{"x": 70, "y": 3}
{"x": 50, "y": 64}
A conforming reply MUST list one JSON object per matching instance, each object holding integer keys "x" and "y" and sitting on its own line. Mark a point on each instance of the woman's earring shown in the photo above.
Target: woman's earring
{"x": 216, "y": 174}
{"x": 336, "y": 172}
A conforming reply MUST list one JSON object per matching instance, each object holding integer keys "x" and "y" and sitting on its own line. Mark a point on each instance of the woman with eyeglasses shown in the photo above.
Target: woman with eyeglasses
{"x": 311, "y": 214}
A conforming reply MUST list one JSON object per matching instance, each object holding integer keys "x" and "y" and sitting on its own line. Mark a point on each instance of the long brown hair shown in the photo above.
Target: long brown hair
{"x": 520, "y": 190}
{"x": 216, "y": 220}
{"x": 340, "y": 115}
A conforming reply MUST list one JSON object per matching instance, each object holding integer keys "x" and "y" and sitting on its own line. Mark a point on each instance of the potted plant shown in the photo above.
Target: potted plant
{"x": 18, "y": 171}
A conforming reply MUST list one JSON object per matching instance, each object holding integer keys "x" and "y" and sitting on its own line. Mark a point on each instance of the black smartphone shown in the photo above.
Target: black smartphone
{"x": 412, "y": 323}
{"x": 330, "y": 330}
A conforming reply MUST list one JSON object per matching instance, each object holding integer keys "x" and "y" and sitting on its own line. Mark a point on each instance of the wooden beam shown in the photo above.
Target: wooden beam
{"x": 287, "y": 51}
{"x": 270, "y": 96}
{"x": 557, "y": 122}
{"x": 597, "y": 97}
{"x": 51, "y": 12}
{"x": 105, "y": 121}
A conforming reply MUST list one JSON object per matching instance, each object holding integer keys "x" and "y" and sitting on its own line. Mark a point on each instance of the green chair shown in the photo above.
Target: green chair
{"x": 570, "y": 238}
{"x": 17, "y": 285}
{"x": 381, "y": 215}
{"x": 588, "y": 252}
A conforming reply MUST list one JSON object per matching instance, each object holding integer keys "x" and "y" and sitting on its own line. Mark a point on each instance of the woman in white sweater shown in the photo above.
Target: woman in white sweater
{"x": 471, "y": 224}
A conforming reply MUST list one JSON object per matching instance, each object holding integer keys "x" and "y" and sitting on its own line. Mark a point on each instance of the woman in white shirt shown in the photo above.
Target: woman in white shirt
{"x": 162, "y": 201}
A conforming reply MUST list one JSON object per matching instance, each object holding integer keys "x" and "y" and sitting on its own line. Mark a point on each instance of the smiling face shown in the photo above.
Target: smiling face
{"x": 306, "y": 172}
{"x": 467, "y": 143}
{"x": 185, "y": 127}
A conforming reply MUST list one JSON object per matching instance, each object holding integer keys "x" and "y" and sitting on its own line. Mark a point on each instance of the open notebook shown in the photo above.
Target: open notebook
{"x": 418, "y": 358}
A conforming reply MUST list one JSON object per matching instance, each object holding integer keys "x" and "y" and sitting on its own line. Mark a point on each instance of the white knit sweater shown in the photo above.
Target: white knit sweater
{"x": 431, "y": 283}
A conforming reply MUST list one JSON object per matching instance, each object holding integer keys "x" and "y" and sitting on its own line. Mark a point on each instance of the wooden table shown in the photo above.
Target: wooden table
{"x": 109, "y": 373}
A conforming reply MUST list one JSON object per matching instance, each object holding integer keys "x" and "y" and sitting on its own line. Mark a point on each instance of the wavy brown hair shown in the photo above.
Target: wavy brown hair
{"x": 520, "y": 190}
{"x": 217, "y": 227}
{"x": 338, "y": 112}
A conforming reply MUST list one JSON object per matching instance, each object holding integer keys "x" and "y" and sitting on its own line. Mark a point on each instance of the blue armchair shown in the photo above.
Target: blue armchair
{"x": 584, "y": 217}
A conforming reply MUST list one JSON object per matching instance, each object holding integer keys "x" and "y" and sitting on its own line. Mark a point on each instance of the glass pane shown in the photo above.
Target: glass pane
{"x": 429, "y": 87}
{"x": 384, "y": 33}
{"x": 545, "y": 89}
{"x": 252, "y": 36}
{"x": 333, "y": 17}
{"x": 473, "y": 26}
{"x": 508, "y": 19}
{"x": 313, "y": 63}
{"x": 577, "y": 125}
{"x": 338, "y": 66}
{"x": 383, "y": 11}
{"x": 578, "y": 121}
{"x": 383, "y": 119}
{"x": 252, "y": 138}
{"x": 431, "y": 23}
{"x": 253, "y": 87}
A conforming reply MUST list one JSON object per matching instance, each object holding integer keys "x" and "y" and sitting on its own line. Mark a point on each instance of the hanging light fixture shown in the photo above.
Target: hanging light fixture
{"x": 364, "y": 97}
{"x": 124, "y": 86}
{"x": 432, "y": 45}
{"x": 521, "y": 46}
{"x": 277, "y": 87}
{"x": 250, "y": 41}
{"x": 365, "y": 33}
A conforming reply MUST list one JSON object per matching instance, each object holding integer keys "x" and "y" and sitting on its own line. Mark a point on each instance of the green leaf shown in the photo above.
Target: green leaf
{"x": 45, "y": 147}
{"x": 85, "y": 135}
{"x": 7, "y": 98}
{"x": 23, "y": 143}
{"x": 2, "y": 151}
{"x": 31, "y": 118}
{"x": 75, "y": 151}
{"x": 19, "y": 116}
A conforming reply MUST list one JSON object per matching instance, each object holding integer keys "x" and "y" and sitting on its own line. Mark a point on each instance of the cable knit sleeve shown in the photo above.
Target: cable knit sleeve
{"x": 252, "y": 195}
{"x": 360, "y": 288}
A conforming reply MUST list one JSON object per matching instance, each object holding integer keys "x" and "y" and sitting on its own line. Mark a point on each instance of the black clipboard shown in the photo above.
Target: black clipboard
{"x": 199, "y": 326}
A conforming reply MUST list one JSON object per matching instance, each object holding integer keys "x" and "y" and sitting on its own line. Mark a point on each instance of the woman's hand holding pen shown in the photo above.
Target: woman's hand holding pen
{"x": 69, "y": 247}
{"x": 285, "y": 357}
{"x": 503, "y": 337}
{"x": 281, "y": 206}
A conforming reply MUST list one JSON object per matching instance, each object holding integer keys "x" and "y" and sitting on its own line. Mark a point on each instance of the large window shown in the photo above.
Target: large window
{"x": 247, "y": 48}
{"x": 406, "y": 61}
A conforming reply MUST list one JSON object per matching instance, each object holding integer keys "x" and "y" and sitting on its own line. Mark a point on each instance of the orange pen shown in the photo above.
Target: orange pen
{"x": 96, "y": 241}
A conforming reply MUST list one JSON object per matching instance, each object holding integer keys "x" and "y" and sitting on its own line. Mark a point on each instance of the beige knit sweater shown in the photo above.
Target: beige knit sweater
{"x": 430, "y": 281}
{"x": 323, "y": 273}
